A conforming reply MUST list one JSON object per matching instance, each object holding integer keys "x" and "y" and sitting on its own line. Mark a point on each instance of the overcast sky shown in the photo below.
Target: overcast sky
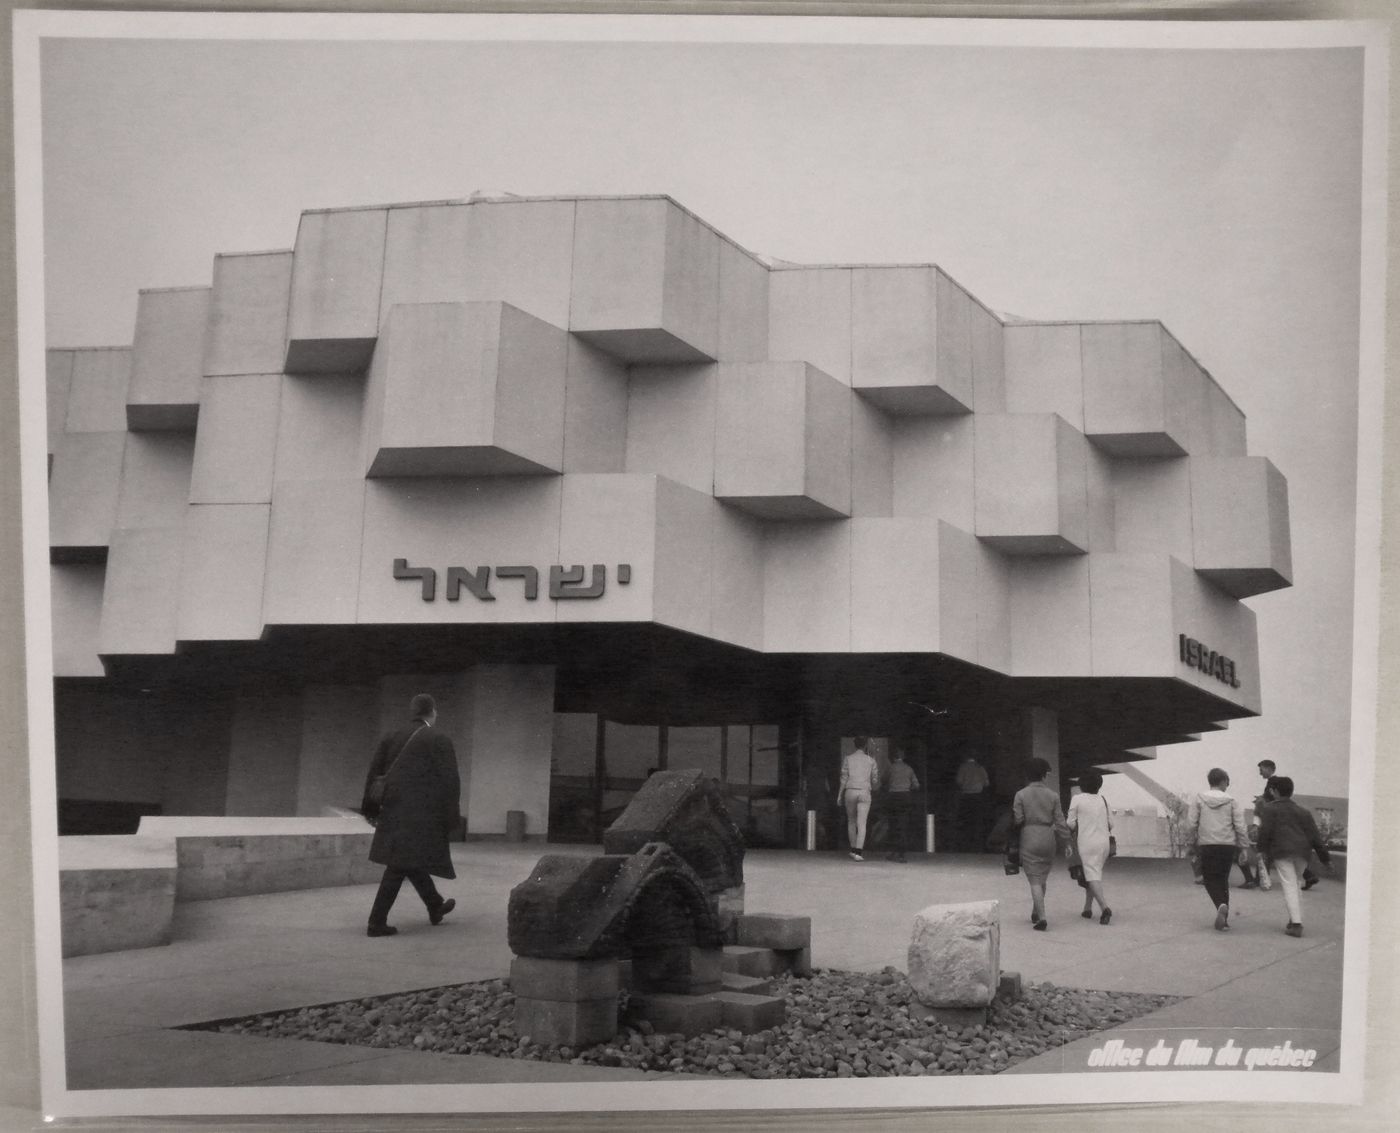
{"x": 1217, "y": 190}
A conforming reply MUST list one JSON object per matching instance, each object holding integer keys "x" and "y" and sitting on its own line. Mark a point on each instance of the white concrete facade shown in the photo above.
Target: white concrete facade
{"x": 490, "y": 447}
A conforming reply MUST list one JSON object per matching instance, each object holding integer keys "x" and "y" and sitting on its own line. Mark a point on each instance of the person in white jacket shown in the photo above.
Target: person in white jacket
{"x": 1215, "y": 825}
{"x": 860, "y": 779}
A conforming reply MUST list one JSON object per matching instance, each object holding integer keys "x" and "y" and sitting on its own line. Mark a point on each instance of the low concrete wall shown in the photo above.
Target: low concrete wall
{"x": 116, "y": 891}
{"x": 235, "y": 857}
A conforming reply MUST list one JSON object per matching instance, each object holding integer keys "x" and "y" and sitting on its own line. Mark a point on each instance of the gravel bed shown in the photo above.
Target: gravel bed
{"x": 839, "y": 1025}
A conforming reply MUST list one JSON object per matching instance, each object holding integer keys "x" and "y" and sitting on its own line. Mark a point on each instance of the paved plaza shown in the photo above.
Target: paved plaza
{"x": 244, "y": 955}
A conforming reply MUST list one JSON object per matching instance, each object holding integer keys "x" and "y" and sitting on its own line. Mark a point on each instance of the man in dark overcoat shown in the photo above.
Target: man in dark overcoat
{"x": 418, "y": 810}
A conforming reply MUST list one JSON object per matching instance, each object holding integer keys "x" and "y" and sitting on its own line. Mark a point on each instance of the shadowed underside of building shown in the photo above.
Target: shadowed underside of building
{"x": 623, "y": 496}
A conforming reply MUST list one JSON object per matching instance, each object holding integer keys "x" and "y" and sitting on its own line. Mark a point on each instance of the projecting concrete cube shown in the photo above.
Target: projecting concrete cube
{"x": 1143, "y": 395}
{"x": 743, "y": 306}
{"x": 559, "y": 1023}
{"x": 237, "y": 439}
{"x": 516, "y": 252}
{"x": 595, "y": 410}
{"x": 140, "y": 600}
{"x": 337, "y": 273}
{"x": 155, "y": 486}
{"x": 1031, "y": 496}
{"x": 83, "y": 490}
{"x": 809, "y": 318}
{"x": 466, "y": 389}
{"x": 310, "y": 579}
{"x": 775, "y": 930}
{"x": 955, "y": 954}
{"x": 248, "y": 313}
{"x": 645, "y": 281}
{"x": 167, "y": 358}
{"x": 782, "y": 433}
{"x": 751, "y": 1013}
{"x": 1239, "y": 509}
{"x": 566, "y": 981}
{"x": 670, "y": 426}
{"x": 911, "y": 340}
{"x": 1048, "y": 615}
{"x": 319, "y": 428}
{"x": 688, "y": 1015}
{"x": 98, "y": 390}
{"x": 988, "y": 361}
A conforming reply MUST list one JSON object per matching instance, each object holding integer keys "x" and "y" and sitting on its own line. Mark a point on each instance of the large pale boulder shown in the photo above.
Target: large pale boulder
{"x": 955, "y": 954}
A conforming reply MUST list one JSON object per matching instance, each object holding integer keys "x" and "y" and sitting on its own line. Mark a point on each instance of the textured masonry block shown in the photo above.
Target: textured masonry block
{"x": 167, "y": 358}
{"x": 688, "y": 1015}
{"x": 248, "y": 314}
{"x": 955, "y": 954}
{"x": 1240, "y": 529}
{"x": 645, "y": 281}
{"x": 752, "y": 985}
{"x": 569, "y": 981}
{"x": 561, "y": 1023}
{"x": 466, "y": 389}
{"x": 684, "y": 969}
{"x": 775, "y": 930}
{"x": 911, "y": 340}
{"x": 751, "y": 1013}
{"x": 1031, "y": 494}
{"x": 337, "y": 273}
{"x": 778, "y": 428}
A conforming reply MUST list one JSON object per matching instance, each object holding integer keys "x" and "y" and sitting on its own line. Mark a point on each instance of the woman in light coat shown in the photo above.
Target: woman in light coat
{"x": 1092, "y": 826}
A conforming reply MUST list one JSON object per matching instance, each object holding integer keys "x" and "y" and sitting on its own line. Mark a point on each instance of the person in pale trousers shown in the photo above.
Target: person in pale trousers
{"x": 860, "y": 779}
{"x": 1287, "y": 834}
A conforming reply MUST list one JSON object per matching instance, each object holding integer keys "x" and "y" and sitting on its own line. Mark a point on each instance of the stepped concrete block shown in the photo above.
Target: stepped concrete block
{"x": 809, "y": 318}
{"x": 75, "y": 595}
{"x": 567, "y": 981}
{"x": 337, "y": 274}
{"x": 116, "y": 892}
{"x": 752, "y": 985}
{"x": 798, "y": 962}
{"x": 139, "y": 607}
{"x": 167, "y": 358}
{"x": 155, "y": 489}
{"x": 83, "y": 491}
{"x": 562, "y": 1023}
{"x": 223, "y": 562}
{"x": 645, "y": 281}
{"x": 751, "y": 1013}
{"x": 747, "y": 961}
{"x": 248, "y": 313}
{"x": 1009, "y": 988}
{"x": 743, "y": 306}
{"x": 1143, "y": 397}
{"x": 688, "y": 1015}
{"x": 1044, "y": 370}
{"x": 955, "y": 955}
{"x": 236, "y": 444}
{"x": 775, "y": 930}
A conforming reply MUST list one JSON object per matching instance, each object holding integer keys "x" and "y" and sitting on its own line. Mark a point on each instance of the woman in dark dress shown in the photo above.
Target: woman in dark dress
{"x": 1040, "y": 821}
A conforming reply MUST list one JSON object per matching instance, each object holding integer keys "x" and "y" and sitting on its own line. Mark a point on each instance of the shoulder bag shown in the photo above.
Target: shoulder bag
{"x": 1112, "y": 841}
{"x": 375, "y": 794}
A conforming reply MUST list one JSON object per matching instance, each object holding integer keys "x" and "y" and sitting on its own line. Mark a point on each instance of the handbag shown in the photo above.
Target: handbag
{"x": 1011, "y": 864}
{"x": 374, "y": 793}
{"x": 1076, "y": 863}
{"x": 1112, "y": 841}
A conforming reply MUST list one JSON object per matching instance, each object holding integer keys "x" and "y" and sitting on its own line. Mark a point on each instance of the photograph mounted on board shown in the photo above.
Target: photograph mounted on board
{"x": 822, "y": 553}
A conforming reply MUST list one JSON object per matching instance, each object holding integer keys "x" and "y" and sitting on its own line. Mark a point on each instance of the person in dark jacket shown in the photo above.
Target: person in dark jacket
{"x": 1287, "y": 834}
{"x": 1268, "y": 771}
{"x": 415, "y": 814}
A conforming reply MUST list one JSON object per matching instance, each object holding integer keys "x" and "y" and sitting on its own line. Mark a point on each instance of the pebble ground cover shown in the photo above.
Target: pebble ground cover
{"x": 839, "y": 1025}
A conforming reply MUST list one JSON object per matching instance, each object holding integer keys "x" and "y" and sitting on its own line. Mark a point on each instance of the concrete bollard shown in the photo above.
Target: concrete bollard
{"x": 515, "y": 826}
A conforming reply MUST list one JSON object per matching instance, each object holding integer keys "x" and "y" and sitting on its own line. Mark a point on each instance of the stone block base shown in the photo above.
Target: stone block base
{"x": 565, "y": 981}
{"x": 799, "y": 963}
{"x": 773, "y": 930}
{"x": 669, "y": 1013}
{"x": 748, "y": 961}
{"x": 753, "y": 985}
{"x": 751, "y": 1013}
{"x": 950, "y": 1016}
{"x": 577, "y": 1024}
{"x": 1009, "y": 987}
{"x": 729, "y": 907}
